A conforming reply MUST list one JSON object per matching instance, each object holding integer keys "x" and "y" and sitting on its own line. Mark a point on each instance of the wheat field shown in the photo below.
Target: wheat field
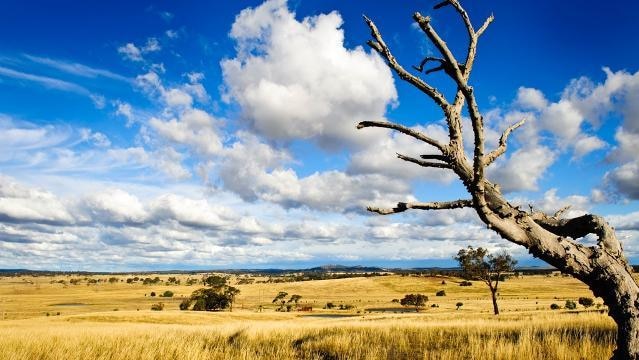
{"x": 113, "y": 321}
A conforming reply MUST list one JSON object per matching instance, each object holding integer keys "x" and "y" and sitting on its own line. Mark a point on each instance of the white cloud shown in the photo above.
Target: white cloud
{"x": 523, "y": 169}
{"x": 115, "y": 205}
{"x": 529, "y": 98}
{"x": 587, "y": 144}
{"x": 297, "y": 80}
{"x": 23, "y": 204}
{"x": 194, "y": 128}
{"x": 152, "y": 45}
{"x": 130, "y": 52}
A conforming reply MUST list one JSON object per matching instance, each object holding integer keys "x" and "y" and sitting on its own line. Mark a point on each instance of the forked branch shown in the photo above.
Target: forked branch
{"x": 437, "y": 205}
{"x": 501, "y": 149}
{"x": 382, "y": 49}
{"x": 423, "y": 163}
{"x": 404, "y": 130}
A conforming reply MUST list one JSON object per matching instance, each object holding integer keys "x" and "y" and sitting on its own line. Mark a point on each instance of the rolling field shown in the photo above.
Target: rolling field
{"x": 113, "y": 320}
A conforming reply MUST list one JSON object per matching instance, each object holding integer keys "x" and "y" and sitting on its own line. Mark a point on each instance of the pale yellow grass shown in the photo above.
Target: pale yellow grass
{"x": 290, "y": 336}
{"x": 88, "y": 327}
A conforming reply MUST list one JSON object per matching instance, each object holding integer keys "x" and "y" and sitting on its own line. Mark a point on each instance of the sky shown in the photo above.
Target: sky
{"x": 201, "y": 135}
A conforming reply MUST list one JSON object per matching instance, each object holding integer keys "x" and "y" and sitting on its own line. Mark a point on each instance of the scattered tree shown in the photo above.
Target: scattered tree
{"x": 586, "y": 301}
{"x": 465, "y": 283}
{"x": 281, "y": 299}
{"x": 554, "y": 307}
{"x": 295, "y": 299}
{"x": 214, "y": 281}
{"x": 441, "y": 293}
{"x": 570, "y": 305}
{"x": 554, "y": 239}
{"x": 459, "y": 305}
{"x": 416, "y": 300}
{"x": 167, "y": 293}
{"x": 478, "y": 264}
{"x": 230, "y": 292}
{"x": 152, "y": 293}
{"x": 157, "y": 307}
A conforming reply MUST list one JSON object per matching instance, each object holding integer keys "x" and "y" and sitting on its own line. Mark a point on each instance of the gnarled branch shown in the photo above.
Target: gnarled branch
{"x": 380, "y": 46}
{"x": 404, "y": 130}
{"x": 501, "y": 149}
{"x": 424, "y": 163}
{"x": 437, "y": 205}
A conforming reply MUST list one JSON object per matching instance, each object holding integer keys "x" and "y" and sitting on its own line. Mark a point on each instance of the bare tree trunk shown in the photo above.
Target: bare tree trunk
{"x": 602, "y": 267}
{"x": 493, "y": 293}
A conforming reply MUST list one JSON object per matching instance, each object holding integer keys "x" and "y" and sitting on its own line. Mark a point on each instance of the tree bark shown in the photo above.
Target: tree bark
{"x": 493, "y": 293}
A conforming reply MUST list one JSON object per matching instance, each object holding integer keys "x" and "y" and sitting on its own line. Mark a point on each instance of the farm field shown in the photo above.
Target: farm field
{"x": 112, "y": 320}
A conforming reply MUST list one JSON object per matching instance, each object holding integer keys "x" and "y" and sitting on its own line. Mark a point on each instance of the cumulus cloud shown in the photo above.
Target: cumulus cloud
{"x": 295, "y": 79}
{"x": 19, "y": 203}
{"x": 130, "y": 52}
{"x": 523, "y": 169}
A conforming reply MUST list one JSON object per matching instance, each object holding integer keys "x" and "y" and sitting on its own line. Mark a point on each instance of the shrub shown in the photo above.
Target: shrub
{"x": 152, "y": 293}
{"x": 157, "y": 307}
{"x": 168, "y": 293}
{"x": 395, "y": 300}
{"x": 329, "y": 305}
{"x": 185, "y": 304}
{"x": 465, "y": 283}
{"x": 586, "y": 301}
{"x": 441, "y": 293}
{"x": 570, "y": 305}
{"x": 443, "y": 282}
{"x": 554, "y": 307}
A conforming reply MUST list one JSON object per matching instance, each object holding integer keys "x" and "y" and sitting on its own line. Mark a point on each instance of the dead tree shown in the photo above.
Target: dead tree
{"x": 549, "y": 237}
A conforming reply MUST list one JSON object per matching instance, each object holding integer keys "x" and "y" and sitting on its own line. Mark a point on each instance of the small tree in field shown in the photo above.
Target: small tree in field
{"x": 479, "y": 265}
{"x": 416, "y": 300}
{"x": 295, "y": 299}
{"x": 281, "y": 299}
{"x": 586, "y": 301}
{"x": 459, "y": 305}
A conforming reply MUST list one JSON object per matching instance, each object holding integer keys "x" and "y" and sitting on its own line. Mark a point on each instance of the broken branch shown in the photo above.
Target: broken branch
{"x": 501, "y": 149}
{"x": 404, "y": 130}
{"x": 437, "y": 205}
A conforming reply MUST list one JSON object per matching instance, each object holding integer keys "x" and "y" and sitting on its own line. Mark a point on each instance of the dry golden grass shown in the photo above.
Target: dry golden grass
{"x": 89, "y": 328}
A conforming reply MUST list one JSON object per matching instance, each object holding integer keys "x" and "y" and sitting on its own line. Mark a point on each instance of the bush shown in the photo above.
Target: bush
{"x": 329, "y": 305}
{"x": 441, "y": 293}
{"x": 465, "y": 283}
{"x": 555, "y": 307}
{"x": 185, "y": 304}
{"x": 570, "y": 305}
{"x": 395, "y": 300}
{"x": 586, "y": 301}
{"x": 152, "y": 293}
{"x": 157, "y": 307}
{"x": 167, "y": 293}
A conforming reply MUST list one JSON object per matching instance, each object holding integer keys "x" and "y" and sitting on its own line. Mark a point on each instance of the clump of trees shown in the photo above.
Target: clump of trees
{"x": 280, "y": 299}
{"x": 217, "y": 296}
{"x": 478, "y": 264}
{"x": 418, "y": 301}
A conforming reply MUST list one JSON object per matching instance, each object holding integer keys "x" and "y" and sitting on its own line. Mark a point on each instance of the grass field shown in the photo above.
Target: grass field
{"x": 113, "y": 321}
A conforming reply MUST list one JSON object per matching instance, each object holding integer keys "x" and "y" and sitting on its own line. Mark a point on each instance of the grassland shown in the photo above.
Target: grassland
{"x": 113, "y": 321}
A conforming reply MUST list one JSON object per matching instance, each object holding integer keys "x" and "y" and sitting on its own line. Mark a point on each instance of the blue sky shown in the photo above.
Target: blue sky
{"x": 159, "y": 135}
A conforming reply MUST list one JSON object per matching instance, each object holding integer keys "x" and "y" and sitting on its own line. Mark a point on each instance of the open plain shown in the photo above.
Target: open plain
{"x": 49, "y": 317}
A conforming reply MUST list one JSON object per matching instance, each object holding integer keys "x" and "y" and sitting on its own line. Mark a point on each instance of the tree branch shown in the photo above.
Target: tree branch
{"x": 581, "y": 226}
{"x": 434, "y": 157}
{"x": 501, "y": 149}
{"x": 404, "y": 130}
{"x": 380, "y": 46}
{"x": 483, "y": 28}
{"x": 403, "y": 206}
{"x": 424, "y": 163}
{"x": 424, "y": 24}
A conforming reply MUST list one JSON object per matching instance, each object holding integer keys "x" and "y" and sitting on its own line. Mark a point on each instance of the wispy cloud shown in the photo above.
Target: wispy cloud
{"x": 75, "y": 68}
{"x": 54, "y": 83}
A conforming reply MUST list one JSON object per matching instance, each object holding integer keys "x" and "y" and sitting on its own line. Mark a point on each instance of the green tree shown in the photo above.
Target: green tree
{"x": 416, "y": 300}
{"x": 215, "y": 281}
{"x": 281, "y": 299}
{"x": 478, "y": 264}
{"x": 231, "y": 292}
{"x": 295, "y": 299}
